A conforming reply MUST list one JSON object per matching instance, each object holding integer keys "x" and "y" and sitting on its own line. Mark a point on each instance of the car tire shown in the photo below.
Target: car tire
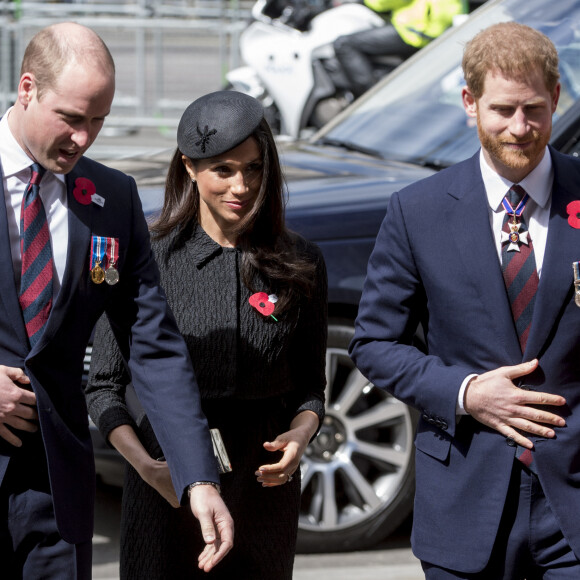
{"x": 358, "y": 475}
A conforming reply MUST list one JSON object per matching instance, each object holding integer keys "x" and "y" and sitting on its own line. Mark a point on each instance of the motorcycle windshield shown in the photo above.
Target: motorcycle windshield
{"x": 416, "y": 114}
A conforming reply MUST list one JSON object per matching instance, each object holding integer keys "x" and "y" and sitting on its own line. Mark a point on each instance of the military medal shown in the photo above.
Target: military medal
{"x": 97, "y": 254}
{"x": 515, "y": 237}
{"x": 111, "y": 273}
{"x": 575, "y": 267}
{"x": 97, "y": 274}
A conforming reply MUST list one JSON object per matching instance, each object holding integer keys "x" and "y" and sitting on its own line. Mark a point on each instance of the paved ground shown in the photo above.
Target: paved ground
{"x": 323, "y": 567}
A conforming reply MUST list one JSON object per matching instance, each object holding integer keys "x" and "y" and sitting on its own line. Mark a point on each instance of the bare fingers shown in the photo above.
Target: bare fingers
{"x": 9, "y": 437}
{"x": 273, "y": 479}
{"x": 205, "y": 559}
{"x": 213, "y": 554}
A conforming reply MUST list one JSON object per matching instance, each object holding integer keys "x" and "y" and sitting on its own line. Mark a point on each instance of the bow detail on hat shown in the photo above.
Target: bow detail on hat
{"x": 204, "y": 137}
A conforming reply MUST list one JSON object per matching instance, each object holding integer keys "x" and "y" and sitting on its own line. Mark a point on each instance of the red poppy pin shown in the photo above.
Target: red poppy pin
{"x": 84, "y": 190}
{"x": 573, "y": 209}
{"x": 264, "y": 304}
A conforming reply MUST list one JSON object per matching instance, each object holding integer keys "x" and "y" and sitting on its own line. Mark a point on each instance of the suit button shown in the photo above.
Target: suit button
{"x": 510, "y": 441}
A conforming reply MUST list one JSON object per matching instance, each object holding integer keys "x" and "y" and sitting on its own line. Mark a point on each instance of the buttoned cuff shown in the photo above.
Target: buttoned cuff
{"x": 460, "y": 407}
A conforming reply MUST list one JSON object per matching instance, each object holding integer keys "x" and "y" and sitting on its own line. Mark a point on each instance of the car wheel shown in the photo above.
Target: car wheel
{"x": 358, "y": 474}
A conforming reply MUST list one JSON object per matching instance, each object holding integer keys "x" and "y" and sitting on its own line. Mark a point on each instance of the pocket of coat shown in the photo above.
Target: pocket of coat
{"x": 432, "y": 441}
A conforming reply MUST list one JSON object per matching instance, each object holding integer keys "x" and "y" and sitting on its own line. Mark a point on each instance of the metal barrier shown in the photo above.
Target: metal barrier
{"x": 166, "y": 53}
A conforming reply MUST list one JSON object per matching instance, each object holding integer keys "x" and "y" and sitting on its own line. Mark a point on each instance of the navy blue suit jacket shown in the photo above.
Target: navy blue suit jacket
{"x": 147, "y": 335}
{"x": 435, "y": 262}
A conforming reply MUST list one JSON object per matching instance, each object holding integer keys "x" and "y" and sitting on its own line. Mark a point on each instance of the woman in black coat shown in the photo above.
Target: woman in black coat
{"x": 249, "y": 298}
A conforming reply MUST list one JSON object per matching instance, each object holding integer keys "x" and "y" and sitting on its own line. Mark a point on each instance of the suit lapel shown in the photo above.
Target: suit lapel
{"x": 8, "y": 290}
{"x": 562, "y": 249}
{"x": 470, "y": 228}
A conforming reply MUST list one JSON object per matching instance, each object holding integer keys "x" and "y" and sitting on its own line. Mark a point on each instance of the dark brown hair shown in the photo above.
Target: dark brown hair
{"x": 268, "y": 248}
{"x": 512, "y": 49}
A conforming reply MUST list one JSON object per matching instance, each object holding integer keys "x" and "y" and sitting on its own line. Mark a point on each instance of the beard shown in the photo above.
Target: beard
{"x": 519, "y": 159}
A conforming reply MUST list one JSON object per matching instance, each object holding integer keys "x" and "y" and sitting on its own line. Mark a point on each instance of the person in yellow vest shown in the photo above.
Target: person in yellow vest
{"x": 412, "y": 24}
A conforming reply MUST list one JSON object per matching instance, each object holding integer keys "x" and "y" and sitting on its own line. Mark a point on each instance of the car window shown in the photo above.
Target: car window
{"x": 416, "y": 115}
{"x": 152, "y": 200}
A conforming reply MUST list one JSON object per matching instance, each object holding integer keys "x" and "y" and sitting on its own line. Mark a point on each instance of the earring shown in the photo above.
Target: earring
{"x": 193, "y": 181}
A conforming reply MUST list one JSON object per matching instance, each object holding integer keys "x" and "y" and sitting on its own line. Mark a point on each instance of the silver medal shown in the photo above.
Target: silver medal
{"x": 111, "y": 275}
{"x": 576, "y": 270}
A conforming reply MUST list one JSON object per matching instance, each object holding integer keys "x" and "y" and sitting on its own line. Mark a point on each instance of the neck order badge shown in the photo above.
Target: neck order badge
{"x": 519, "y": 263}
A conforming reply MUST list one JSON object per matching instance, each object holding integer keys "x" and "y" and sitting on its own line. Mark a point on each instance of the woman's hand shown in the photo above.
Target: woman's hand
{"x": 153, "y": 472}
{"x": 292, "y": 443}
{"x": 156, "y": 474}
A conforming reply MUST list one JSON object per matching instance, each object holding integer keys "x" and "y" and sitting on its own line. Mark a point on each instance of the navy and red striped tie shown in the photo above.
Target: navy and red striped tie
{"x": 521, "y": 280}
{"x": 519, "y": 271}
{"x": 37, "y": 263}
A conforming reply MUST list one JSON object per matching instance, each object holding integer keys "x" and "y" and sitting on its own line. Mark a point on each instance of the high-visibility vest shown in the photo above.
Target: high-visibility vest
{"x": 418, "y": 22}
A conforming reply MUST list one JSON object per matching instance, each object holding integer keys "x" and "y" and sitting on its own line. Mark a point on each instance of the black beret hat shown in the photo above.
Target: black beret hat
{"x": 217, "y": 122}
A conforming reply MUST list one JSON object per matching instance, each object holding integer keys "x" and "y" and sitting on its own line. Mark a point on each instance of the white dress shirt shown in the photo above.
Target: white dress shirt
{"x": 538, "y": 184}
{"x": 16, "y": 173}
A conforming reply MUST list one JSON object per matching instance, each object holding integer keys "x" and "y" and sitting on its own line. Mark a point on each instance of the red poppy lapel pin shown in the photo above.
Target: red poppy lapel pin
{"x": 85, "y": 192}
{"x": 573, "y": 209}
{"x": 264, "y": 303}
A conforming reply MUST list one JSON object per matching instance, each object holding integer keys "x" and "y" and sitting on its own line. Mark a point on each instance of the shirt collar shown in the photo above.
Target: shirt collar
{"x": 203, "y": 248}
{"x": 538, "y": 183}
{"x": 14, "y": 159}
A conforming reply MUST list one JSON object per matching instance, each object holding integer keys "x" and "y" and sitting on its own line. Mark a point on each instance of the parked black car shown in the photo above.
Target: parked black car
{"x": 358, "y": 475}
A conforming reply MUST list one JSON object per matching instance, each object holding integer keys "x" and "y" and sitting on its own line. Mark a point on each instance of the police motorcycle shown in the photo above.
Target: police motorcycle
{"x": 290, "y": 63}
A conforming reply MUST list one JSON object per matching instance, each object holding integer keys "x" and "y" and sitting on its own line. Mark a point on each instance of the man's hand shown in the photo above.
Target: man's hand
{"x": 217, "y": 526}
{"x": 17, "y": 405}
{"x": 494, "y": 400}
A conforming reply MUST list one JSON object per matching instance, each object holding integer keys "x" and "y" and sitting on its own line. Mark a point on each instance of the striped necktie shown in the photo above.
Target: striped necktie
{"x": 519, "y": 264}
{"x": 521, "y": 277}
{"x": 37, "y": 264}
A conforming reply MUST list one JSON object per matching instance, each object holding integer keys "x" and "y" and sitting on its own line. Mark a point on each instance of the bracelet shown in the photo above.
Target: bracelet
{"x": 192, "y": 485}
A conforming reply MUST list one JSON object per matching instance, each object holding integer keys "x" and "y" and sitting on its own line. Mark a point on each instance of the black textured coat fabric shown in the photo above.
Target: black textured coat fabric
{"x": 255, "y": 374}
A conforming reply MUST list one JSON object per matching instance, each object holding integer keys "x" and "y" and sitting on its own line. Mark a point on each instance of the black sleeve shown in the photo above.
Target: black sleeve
{"x": 309, "y": 344}
{"x": 107, "y": 383}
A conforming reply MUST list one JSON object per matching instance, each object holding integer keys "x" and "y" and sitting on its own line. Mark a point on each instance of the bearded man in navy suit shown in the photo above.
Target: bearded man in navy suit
{"x": 493, "y": 284}
{"x": 95, "y": 226}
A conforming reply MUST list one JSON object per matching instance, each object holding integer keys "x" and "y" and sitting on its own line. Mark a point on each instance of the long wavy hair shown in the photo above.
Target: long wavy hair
{"x": 269, "y": 249}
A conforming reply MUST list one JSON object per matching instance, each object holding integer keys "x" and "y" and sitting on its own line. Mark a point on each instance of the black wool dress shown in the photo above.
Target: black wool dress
{"x": 255, "y": 374}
